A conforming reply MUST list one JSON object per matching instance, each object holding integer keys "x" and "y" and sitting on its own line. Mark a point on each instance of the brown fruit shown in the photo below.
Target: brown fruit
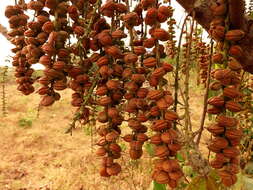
{"x": 159, "y": 72}
{"x": 155, "y": 94}
{"x": 162, "y": 104}
{"x": 169, "y": 136}
{"x": 215, "y": 86}
{"x": 134, "y": 124}
{"x": 105, "y": 101}
{"x": 215, "y": 129}
{"x": 231, "y": 92}
{"x": 115, "y": 169}
{"x": 112, "y": 136}
{"x": 214, "y": 110}
{"x": 159, "y": 125}
{"x": 130, "y": 58}
{"x": 101, "y": 91}
{"x": 170, "y": 165}
{"x": 218, "y": 58}
{"x": 218, "y": 32}
{"x": 226, "y": 121}
{"x": 149, "y": 43}
{"x": 103, "y": 172}
{"x": 114, "y": 147}
{"x": 234, "y": 35}
{"x": 236, "y": 51}
{"x": 101, "y": 151}
{"x": 47, "y": 100}
{"x": 128, "y": 138}
{"x": 233, "y": 106}
{"x": 161, "y": 151}
{"x": 234, "y": 65}
{"x": 161, "y": 34}
{"x": 171, "y": 116}
{"x": 156, "y": 139}
{"x": 176, "y": 175}
{"x": 219, "y": 9}
{"x": 216, "y": 101}
{"x": 142, "y": 137}
{"x": 139, "y": 50}
{"x": 161, "y": 177}
{"x": 136, "y": 145}
{"x": 135, "y": 154}
{"x": 150, "y": 62}
{"x": 118, "y": 34}
{"x": 102, "y": 61}
{"x": 231, "y": 152}
{"x": 219, "y": 142}
{"x": 234, "y": 133}
{"x": 113, "y": 84}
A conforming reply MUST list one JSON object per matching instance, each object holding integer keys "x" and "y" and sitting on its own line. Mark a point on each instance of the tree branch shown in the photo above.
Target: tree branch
{"x": 204, "y": 17}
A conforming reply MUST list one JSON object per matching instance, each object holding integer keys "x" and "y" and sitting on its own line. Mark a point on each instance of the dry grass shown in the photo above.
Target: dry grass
{"x": 37, "y": 155}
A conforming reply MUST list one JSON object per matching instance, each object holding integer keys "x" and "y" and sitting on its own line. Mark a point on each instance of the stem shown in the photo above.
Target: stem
{"x": 176, "y": 83}
{"x": 201, "y": 128}
{"x": 187, "y": 77}
{"x": 86, "y": 99}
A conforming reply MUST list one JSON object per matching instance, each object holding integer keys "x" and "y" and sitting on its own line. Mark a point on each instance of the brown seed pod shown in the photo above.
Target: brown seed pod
{"x": 218, "y": 32}
{"x": 227, "y": 178}
{"x": 226, "y": 121}
{"x": 219, "y": 142}
{"x": 118, "y": 34}
{"x": 216, "y": 164}
{"x": 233, "y": 106}
{"x": 149, "y": 62}
{"x": 231, "y": 152}
{"x": 159, "y": 125}
{"x": 161, "y": 177}
{"x": 159, "y": 72}
{"x": 234, "y": 133}
{"x": 128, "y": 138}
{"x": 105, "y": 101}
{"x": 102, "y": 61}
{"x": 234, "y": 35}
{"x": 130, "y": 58}
{"x": 234, "y": 65}
{"x": 215, "y": 86}
{"x": 139, "y": 50}
{"x": 156, "y": 139}
{"x": 218, "y": 58}
{"x": 135, "y": 154}
{"x": 149, "y": 43}
{"x": 115, "y": 169}
{"x": 136, "y": 145}
{"x": 171, "y": 116}
{"x": 216, "y": 101}
{"x": 215, "y": 129}
{"x": 236, "y": 51}
{"x": 161, "y": 151}
{"x": 161, "y": 34}
{"x": 231, "y": 92}
{"x": 47, "y": 100}
{"x": 101, "y": 151}
{"x": 112, "y": 136}
{"x": 114, "y": 147}
{"x": 176, "y": 175}
{"x": 155, "y": 94}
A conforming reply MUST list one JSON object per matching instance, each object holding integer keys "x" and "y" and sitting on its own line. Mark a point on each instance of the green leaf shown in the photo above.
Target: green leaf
{"x": 180, "y": 157}
{"x": 158, "y": 186}
{"x": 150, "y": 149}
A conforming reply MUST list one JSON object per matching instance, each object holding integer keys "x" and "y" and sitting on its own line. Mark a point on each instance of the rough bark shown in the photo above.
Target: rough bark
{"x": 238, "y": 19}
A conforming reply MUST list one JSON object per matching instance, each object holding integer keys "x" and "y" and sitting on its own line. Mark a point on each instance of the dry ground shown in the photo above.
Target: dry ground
{"x": 36, "y": 154}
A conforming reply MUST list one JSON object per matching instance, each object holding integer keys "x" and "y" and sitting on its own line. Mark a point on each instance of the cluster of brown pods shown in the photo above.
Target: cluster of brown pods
{"x": 225, "y": 131}
{"x": 21, "y": 60}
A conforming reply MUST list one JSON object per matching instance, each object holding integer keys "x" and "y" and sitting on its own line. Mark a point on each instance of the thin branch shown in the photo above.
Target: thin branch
{"x": 201, "y": 128}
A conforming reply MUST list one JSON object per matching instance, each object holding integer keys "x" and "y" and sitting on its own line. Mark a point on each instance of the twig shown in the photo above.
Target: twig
{"x": 201, "y": 128}
{"x": 187, "y": 75}
{"x": 86, "y": 99}
{"x": 176, "y": 83}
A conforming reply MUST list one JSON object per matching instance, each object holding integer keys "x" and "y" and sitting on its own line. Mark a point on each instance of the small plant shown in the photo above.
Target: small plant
{"x": 25, "y": 122}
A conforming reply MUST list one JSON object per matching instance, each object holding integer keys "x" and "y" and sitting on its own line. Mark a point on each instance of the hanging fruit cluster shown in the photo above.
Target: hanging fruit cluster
{"x": 226, "y": 131}
{"x": 111, "y": 55}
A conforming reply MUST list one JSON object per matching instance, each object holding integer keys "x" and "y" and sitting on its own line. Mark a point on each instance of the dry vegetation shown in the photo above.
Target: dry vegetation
{"x": 37, "y": 154}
